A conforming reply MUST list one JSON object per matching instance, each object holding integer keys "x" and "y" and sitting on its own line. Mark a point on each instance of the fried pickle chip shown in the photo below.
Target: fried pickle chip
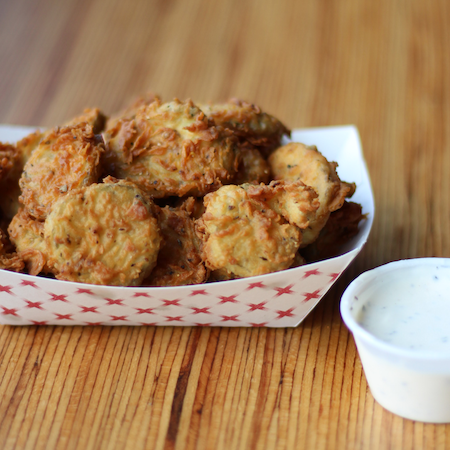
{"x": 171, "y": 149}
{"x": 93, "y": 117}
{"x": 253, "y": 167}
{"x": 9, "y": 182}
{"x": 68, "y": 158}
{"x": 249, "y": 123}
{"x": 341, "y": 226}
{"x": 9, "y": 261}
{"x": 103, "y": 234}
{"x": 179, "y": 260}
{"x": 293, "y": 200}
{"x": 297, "y": 161}
{"x": 8, "y": 154}
{"x": 129, "y": 112}
{"x": 244, "y": 236}
{"x": 27, "y": 235}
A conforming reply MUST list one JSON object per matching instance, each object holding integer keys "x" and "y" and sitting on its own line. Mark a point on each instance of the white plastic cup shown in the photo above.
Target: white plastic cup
{"x": 414, "y": 384}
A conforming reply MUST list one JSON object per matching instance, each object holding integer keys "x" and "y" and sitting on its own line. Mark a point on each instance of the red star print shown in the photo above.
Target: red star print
{"x": 198, "y": 292}
{"x": 11, "y": 312}
{"x": 141, "y": 294}
{"x": 119, "y": 317}
{"x": 93, "y": 324}
{"x": 36, "y": 305}
{"x": 230, "y": 299}
{"x": 311, "y": 295}
{"x": 55, "y": 297}
{"x": 145, "y": 311}
{"x": 263, "y": 324}
{"x": 286, "y": 290}
{"x": 308, "y": 273}
{"x": 230, "y": 318}
{"x": 29, "y": 283}
{"x": 258, "y": 284}
{"x": 144, "y": 324}
{"x": 287, "y": 313}
{"x": 200, "y": 310}
{"x": 172, "y": 302}
{"x": 111, "y": 301}
{"x": 63, "y": 316}
{"x": 174, "y": 319}
{"x": 39, "y": 323}
{"x": 334, "y": 276}
{"x": 255, "y": 306}
{"x": 85, "y": 309}
{"x": 84, "y": 291}
{"x": 202, "y": 324}
{"x": 6, "y": 289}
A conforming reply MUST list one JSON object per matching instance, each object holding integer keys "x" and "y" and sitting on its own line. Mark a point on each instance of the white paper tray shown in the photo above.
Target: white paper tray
{"x": 281, "y": 299}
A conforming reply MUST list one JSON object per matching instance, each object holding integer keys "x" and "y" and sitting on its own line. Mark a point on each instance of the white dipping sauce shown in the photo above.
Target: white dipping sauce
{"x": 411, "y": 312}
{"x": 399, "y": 315}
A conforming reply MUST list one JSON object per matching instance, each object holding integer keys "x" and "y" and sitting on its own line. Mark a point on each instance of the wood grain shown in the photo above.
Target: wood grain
{"x": 383, "y": 66}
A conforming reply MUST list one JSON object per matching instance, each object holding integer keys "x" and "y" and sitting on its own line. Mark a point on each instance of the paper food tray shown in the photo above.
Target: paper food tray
{"x": 280, "y": 299}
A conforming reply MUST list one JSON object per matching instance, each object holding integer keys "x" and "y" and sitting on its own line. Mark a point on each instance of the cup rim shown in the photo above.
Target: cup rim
{"x": 361, "y": 333}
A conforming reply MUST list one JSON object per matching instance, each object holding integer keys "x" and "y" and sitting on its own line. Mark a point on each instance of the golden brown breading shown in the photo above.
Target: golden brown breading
{"x": 192, "y": 205}
{"x": 8, "y": 154}
{"x": 293, "y": 200}
{"x": 297, "y": 161}
{"x": 244, "y": 236}
{"x": 299, "y": 260}
{"x": 27, "y": 235}
{"x": 93, "y": 117}
{"x": 9, "y": 184}
{"x": 171, "y": 149}
{"x": 130, "y": 111}
{"x": 248, "y": 122}
{"x": 221, "y": 275}
{"x": 253, "y": 167}
{"x": 68, "y": 158}
{"x": 341, "y": 226}
{"x": 103, "y": 234}
{"x": 9, "y": 261}
{"x": 179, "y": 260}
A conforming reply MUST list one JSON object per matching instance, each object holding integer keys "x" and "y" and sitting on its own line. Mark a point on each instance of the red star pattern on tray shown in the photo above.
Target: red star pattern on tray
{"x": 10, "y": 311}
{"x": 56, "y": 297}
{"x": 200, "y": 310}
{"x": 29, "y": 283}
{"x": 280, "y": 300}
{"x": 7, "y": 289}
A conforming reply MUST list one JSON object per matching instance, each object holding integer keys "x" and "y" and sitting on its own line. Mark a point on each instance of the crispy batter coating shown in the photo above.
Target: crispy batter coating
{"x": 93, "y": 117}
{"x": 244, "y": 236}
{"x": 27, "y": 235}
{"x": 8, "y": 154}
{"x": 248, "y": 122}
{"x": 9, "y": 261}
{"x": 299, "y": 260}
{"x": 297, "y": 161}
{"x": 103, "y": 234}
{"x": 253, "y": 167}
{"x": 9, "y": 183}
{"x": 293, "y": 200}
{"x": 192, "y": 205}
{"x": 179, "y": 260}
{"x": 341, "y": 226}
{"x": 68, "y": 158}
{"x": 129, "y": 112}
{"x": 171, "y": 149}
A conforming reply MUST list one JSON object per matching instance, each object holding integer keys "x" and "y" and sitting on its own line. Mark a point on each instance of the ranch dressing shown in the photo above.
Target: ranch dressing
{"x": 411, "y": 311}
{"x": 399, "y": 314}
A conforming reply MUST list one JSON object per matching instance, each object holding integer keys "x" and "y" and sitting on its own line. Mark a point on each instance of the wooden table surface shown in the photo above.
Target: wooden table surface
{"x": 381, "y": 65}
